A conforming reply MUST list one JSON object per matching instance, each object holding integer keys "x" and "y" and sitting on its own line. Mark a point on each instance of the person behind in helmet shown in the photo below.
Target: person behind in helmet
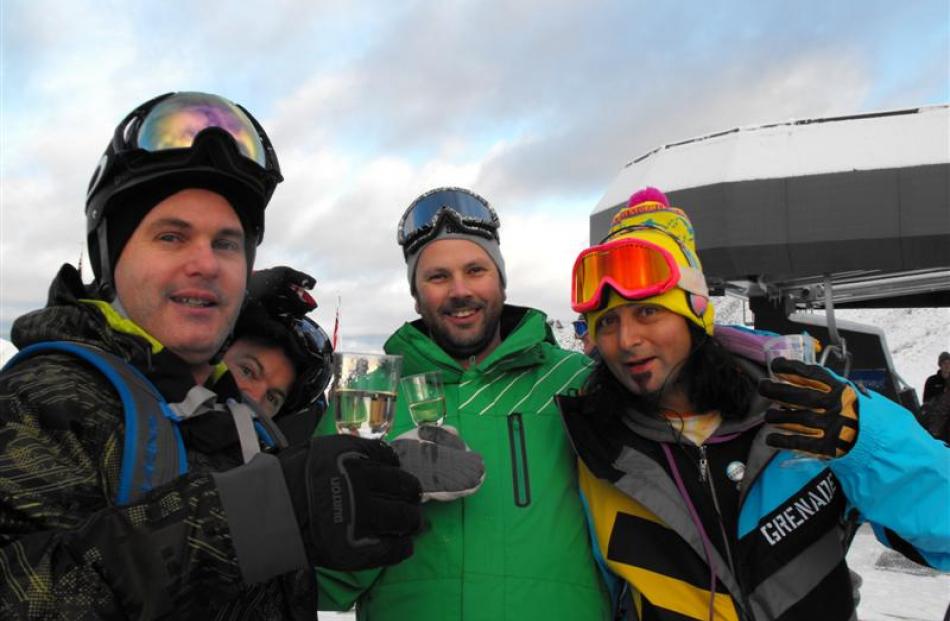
{"x": 279, "y": 357}
{"x": 262, "y": 369}
{"x": 213, "y": 526}
{"x": 698, "y": 504}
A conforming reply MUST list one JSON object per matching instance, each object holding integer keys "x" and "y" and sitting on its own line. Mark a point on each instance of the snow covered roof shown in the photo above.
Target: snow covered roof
{"x": 864, "y": 199}
{"x": 896, "y": 139}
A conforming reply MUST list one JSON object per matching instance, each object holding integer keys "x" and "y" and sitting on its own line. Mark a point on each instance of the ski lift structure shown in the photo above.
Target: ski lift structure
{"x": 823, "y": 213}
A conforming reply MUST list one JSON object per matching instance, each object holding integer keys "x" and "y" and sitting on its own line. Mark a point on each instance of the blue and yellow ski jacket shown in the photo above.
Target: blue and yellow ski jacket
{"x": 733, "y": 530}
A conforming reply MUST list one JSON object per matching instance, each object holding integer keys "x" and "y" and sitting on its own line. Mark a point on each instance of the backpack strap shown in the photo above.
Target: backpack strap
{"x": 153, "y": 452}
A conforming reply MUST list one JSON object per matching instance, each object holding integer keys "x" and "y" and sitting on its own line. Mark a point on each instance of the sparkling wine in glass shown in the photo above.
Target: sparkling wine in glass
{"x": 364, "y": 393}
{"x": 425, "y": 397}
{"x": 799, "y": 347}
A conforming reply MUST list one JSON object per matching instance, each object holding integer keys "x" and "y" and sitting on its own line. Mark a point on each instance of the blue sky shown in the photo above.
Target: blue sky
{"x": 536, "y": 105}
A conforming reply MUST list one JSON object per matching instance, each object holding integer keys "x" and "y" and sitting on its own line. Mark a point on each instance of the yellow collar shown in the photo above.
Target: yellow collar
{"x": 126, "y": 326}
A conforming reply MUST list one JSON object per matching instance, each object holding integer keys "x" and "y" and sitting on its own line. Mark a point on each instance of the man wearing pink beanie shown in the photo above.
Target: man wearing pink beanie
{"x": 686, "y": 451}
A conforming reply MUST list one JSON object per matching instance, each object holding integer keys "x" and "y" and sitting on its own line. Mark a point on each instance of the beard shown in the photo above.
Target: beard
{"x": 463, "y": 345}
{"x": 653, "y": 402}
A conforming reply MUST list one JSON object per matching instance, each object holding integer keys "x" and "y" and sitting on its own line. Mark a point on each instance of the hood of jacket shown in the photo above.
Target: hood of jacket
{"x": 73, "y": 314}
{"x": 66, "y": 318}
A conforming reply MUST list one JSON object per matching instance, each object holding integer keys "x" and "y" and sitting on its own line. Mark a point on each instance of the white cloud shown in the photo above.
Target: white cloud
{"x": 535, "y": 105}
{"x": 346, "y": 238}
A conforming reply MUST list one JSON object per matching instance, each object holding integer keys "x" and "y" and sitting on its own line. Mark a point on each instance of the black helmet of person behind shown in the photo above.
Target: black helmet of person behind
{"x": 170, "y": 143}
{"x": 310, "y": 350}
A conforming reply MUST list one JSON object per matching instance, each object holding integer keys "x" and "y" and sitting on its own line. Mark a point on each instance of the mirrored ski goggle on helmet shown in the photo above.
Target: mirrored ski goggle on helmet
{"x": 174, "y": 121}
{"x": 169, "y": 126}
{"x": 636, "y": 269}
{"x": 468, "y": 212}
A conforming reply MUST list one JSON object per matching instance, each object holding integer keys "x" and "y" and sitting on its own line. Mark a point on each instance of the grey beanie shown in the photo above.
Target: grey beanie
{"x": 490, "y": 246}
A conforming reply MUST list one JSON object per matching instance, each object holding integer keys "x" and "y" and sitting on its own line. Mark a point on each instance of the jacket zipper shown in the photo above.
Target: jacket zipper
{"x": 705, "y": 478}
{"x": 519, "y": 460}
{"x": 722, "y": 527}
{"x": 704, "y": 469}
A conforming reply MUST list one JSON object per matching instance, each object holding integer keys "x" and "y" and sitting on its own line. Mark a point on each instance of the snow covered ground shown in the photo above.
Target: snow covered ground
{"x": 895, "y": 588}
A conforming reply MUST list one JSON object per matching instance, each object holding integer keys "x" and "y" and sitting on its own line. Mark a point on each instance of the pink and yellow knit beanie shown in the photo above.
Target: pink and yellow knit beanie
{"x": 648, "y": 216}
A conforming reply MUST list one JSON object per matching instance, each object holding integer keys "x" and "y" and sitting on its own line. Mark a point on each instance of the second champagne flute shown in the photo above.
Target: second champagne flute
{"x": 424, "y": 397}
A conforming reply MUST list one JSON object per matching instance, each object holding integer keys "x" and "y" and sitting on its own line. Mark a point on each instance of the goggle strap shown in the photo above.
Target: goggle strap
{"x": 105, "y": 270}
{"x": 644, "y": 226}
{"x": 693, "y": 281}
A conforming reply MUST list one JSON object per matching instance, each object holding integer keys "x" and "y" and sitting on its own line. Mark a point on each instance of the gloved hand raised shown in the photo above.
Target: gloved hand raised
{"x": 282, "y": 290}
{"x": 355, "y": 507}
{"x": 818, "y": 409}
{"x": 446, "y": 468}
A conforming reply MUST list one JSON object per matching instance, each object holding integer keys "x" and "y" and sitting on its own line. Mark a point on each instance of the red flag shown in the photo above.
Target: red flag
{"x": 336, "y": 324}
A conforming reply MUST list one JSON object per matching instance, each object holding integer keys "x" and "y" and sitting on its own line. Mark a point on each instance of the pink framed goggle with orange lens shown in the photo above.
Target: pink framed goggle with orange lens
{"x": 636, "y": 269}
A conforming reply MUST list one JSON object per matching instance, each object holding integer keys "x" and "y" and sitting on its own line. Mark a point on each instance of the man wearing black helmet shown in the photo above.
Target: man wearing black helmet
{"x": 133, "y": 482}
{"x": 279, "y": 357}
{"x": 516, "y": 547}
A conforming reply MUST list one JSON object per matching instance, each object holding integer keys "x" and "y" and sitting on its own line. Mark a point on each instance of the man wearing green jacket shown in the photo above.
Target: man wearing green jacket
{"x": 518, "y": 547}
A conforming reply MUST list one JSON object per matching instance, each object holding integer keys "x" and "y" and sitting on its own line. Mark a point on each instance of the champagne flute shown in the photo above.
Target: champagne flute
{"x": 799, "y": 347}
{"x": 364, "y": 393}
{"x": 791, "y": 346}
{"x": 425, "y": 397}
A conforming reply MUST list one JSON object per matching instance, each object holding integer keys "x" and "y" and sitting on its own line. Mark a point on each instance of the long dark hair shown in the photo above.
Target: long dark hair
{"x": 711, "y": 376}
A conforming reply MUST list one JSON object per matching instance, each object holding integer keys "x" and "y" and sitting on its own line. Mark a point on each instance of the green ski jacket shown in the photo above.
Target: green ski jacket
{"x": 518, "y": 548}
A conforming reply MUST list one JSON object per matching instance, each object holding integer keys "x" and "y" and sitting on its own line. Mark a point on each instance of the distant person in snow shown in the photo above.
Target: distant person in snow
{"x": 939, "y": 382}
{"x": 935, "y": 411}
{"x": 582, "y": 334}
{"x": 935, "y": 416}
{"x": 280, "y": 358}
{"x": 517, "y": 548}
{"x": 713, "y": 491}
{"x": 133, "y": 481}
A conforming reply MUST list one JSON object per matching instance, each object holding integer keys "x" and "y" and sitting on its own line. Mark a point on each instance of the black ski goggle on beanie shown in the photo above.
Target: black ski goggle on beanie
{"x": 469, "y": 213}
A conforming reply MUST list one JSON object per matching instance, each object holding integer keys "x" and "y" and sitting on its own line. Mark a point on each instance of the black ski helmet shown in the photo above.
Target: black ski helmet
{"x": 310, "y": 351}
{"x": 170, "y": 143}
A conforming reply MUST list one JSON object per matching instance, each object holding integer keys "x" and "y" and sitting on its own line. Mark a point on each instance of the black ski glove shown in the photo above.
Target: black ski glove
{"x": 446, "y": 468}
{"x": 355, "y": 507}
{"x": 818, "y": 411}
{"x": 282, "y": 291}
